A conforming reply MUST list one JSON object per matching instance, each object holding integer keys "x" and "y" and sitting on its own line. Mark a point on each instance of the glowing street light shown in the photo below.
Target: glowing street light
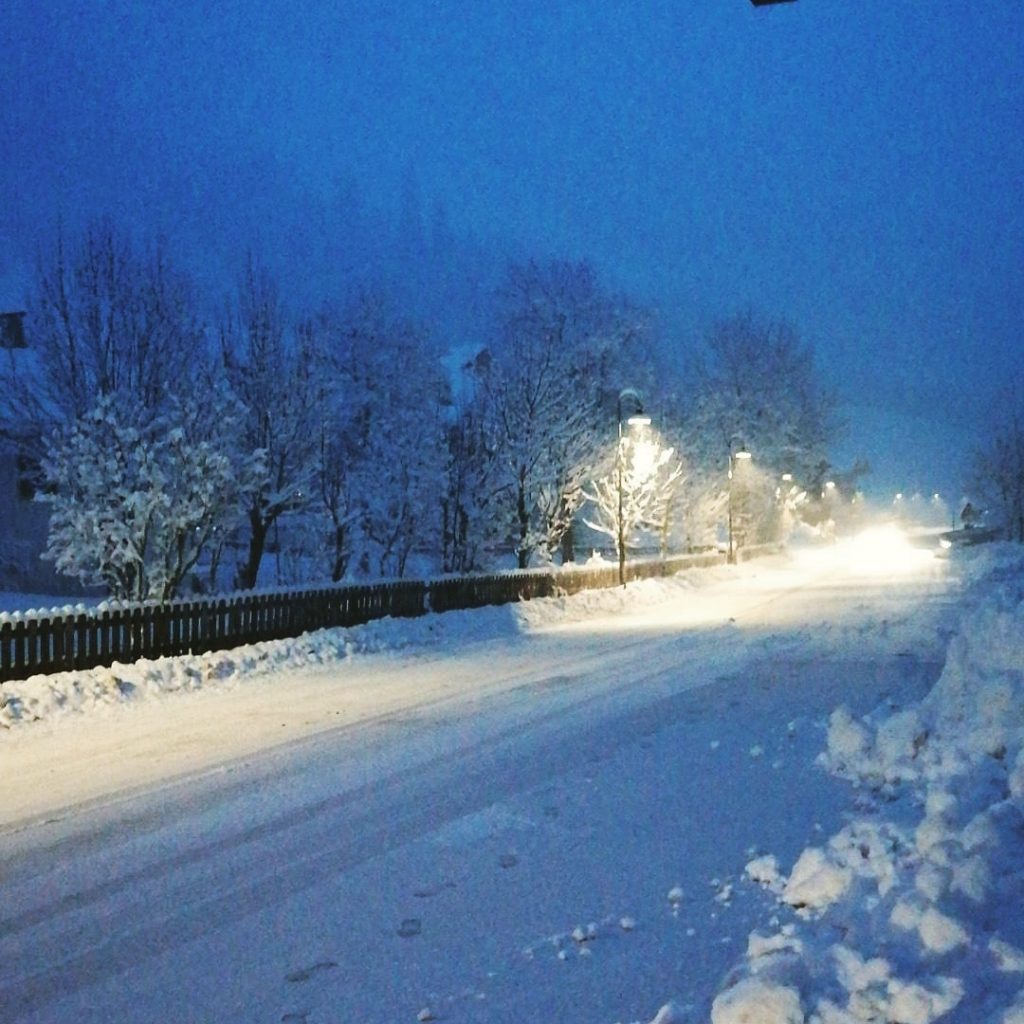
{"x": 628, "y": 398}
{"x": 742, "y": 455}
{"x": 785, "y": 494}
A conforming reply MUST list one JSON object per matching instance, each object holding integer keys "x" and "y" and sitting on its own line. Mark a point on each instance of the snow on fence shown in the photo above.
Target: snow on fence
{"x": 57, "y": 642}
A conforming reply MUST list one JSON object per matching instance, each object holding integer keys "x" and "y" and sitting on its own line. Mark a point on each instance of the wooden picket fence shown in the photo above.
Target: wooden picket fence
{"x": 86, "y": 639}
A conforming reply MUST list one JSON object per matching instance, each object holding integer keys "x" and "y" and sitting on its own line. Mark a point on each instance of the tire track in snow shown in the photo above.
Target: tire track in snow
{"x": 224, "y": 879}
{"x": 373, "y": 818}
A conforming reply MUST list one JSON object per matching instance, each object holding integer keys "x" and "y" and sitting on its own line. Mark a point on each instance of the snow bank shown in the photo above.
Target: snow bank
{"x": 45, "y": 697}
{"x": 911, "y": 913}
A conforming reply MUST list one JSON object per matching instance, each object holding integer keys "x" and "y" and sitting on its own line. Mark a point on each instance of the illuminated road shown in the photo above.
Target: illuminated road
{"x": 407, "y": 831}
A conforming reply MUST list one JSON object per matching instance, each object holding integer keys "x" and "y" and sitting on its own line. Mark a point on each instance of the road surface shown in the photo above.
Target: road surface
{"x": 550, "y": 826}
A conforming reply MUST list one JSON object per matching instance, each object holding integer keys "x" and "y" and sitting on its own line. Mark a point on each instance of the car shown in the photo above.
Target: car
{"x": 965, "y": 537}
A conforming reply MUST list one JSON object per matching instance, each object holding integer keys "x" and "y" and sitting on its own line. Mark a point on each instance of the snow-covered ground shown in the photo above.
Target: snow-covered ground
{"x": 912, "y": 911}
{"x": 623, "y": 806}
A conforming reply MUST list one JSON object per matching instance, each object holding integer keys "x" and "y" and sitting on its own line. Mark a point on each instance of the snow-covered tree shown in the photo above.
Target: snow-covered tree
{"x": 271, "y": 367}
{"x": 335, "y": 462}
{"x": 701, "y": 506}
{"x": 752, "y": 504}
{"x": 134, "y": 500}
{"x": 646, "y": 475}
{"x": 561, "y": 348}
{"x": 755, "y": 384}
{"x": 389, "y": 473}
{"x": 468, "y": 522}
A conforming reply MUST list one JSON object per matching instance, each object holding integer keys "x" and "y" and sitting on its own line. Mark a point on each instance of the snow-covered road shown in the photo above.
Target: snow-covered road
{"x": 547, "y": 824}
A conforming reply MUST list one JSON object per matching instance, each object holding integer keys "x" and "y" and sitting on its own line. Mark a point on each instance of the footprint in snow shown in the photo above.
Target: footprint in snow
{"x": 308, "y": 972}
{"x": 508, "y": 860}
{"x": 410, "y": 928}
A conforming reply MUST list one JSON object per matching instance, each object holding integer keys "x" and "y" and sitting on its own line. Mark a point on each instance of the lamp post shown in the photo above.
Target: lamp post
{"x": 628, "y": 397}
{"x": 783, "y": 494}
{"x": 742, "y": 455}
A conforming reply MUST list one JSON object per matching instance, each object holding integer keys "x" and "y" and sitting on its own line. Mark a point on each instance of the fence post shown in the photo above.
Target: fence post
{"x": 19, "y": 645}
{"x": 6, "y": 650}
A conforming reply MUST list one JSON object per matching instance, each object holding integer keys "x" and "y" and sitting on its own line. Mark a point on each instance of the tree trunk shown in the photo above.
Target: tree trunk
{"x": 340, "y": 562}
{"x": 568, "y": 545}
{"x": 447, "y": 536}
{"x": 258, "y": 528}
{"x": 523, "y": 516}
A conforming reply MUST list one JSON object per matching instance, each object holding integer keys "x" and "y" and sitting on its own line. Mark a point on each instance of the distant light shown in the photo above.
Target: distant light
{"x": 899, "y": 496}
{"x": 644, "y": 458}
{"x": 935, "y": 497}
{"x": 787, "y": 478}
{"x": 638, "y": 421}
{"x": 742, "y": 454}
{"x": 880, "y": 551}
{"x": 830, "y": 485}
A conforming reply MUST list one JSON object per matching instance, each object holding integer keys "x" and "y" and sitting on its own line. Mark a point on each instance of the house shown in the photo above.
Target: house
{"x": 24, "y": 522}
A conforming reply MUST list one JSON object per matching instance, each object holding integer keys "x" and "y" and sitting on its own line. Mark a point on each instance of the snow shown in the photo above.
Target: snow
{"x": 932, "y": 873}
{"x": 816, "y": 881}
{"x": 758, "y": 1001}
{"x": 552, "y": 811}
{"x": 15, "y": 605}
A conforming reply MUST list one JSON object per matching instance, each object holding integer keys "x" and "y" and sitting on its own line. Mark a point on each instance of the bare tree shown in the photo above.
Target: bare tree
{"x": 468, "y": 528}
{"x": 334, "y": 473}
{"x": 997, "y": 474}
{"x": 387, "y": 479}
{"x": 756, "y": 381}
{"x": 107, "y": 317}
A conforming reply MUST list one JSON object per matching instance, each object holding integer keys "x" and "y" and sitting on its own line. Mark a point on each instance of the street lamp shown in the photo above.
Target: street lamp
{"x": 785, "y": 486}
{"x": 629, "y": 398}
{"x": 742, "y": 455}
{"x": 783, "y": 497}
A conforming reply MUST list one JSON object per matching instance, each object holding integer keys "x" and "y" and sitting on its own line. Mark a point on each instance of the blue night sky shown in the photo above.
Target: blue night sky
{"x": 854, "y": 165}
